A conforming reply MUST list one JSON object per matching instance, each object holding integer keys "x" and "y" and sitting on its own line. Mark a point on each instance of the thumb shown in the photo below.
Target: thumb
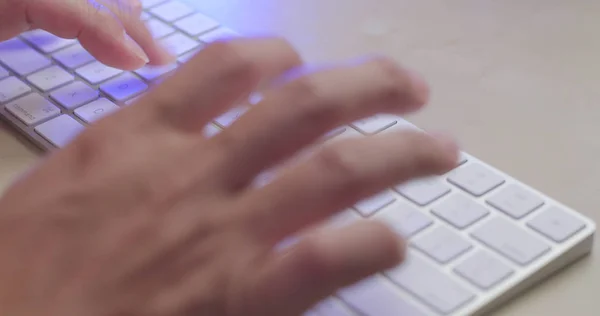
{"x": 325, "y": 262}
{"x": 110, "y": 30}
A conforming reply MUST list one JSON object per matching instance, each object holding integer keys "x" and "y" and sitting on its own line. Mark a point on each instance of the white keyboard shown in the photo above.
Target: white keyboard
{"x": 477, "y": 236}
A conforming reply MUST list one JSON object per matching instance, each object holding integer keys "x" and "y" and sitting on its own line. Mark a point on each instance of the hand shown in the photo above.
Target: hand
{"x": 142, "y": 215}
{"x": 111, "y": 30}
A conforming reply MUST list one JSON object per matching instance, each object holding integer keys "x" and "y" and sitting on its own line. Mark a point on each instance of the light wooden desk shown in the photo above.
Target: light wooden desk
{"x": 518, "y": 82}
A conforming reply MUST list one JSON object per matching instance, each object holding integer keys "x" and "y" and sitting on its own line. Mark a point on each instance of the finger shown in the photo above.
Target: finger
{"x": 303, "y": 110}
{"x": 216, "y": 78}
{"x": 321, "y": 264}
{"x": 96, "y": 26}
{"x": 341, "y": 174}
{"x": 128, "y": 12}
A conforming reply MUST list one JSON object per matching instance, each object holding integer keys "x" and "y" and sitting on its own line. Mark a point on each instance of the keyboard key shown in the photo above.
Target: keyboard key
{"x": 404, "y": 219}
{"x": 185, "y": 57}
{"x": 96, "y": 72}
{"x": 158, "y": 28}
{"x": 475, "y": 179}
{"x": 172, "y": 10}
{"x": 150, "y": 73}
{"x": 73, "y": 57}
{"x": 3, "y": 73}
{"x": 342, "y": 219}
{"x": 145, "y": 16}
{"x": 423, "y": 191}
{"x": 60, "y": 131}
{"x": 32, "y": 109}
{"x": 21, "y": 58}
{"x": 430, "y": 285}
{"x": 50, "y": 78}
{"x": 133, "y": 100}
{"x": 123, "y": 87}
{"x": 375, "y": 124}
{"x": 442, "y": 244}
{"x": 556, "y": 224}
{"x": 47, "y": 42}
{"x": 460, "y": 211}
{"x": 369, "y": 206}
{"x": 150, "y": 3}
{"x": 11, "y": 88}
{"x": 510, "y": 240}
{"x": 515, "y": 201}
{"x": 196, "y": 24}
{"x": 211, "y": 130}
{"x": 178, "y": 44}
{"x": 220, "y": 33}
{"x": 374, "y": 297}
{"x": 96, "y": 110}
{"x": 483, "y": 270}
{"x": 74, "y": 95}
{"x": 332, "y": 307}
{"x": 231, "y": 116}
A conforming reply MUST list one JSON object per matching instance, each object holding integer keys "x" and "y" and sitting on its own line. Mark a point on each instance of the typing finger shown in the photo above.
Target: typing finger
{"x": 324, "y": 262}
{"x": 128, "y": 12}
{"x": 340, "y": 175}
{"x": 300, "y": 112}
{"x": 97, "y": 28}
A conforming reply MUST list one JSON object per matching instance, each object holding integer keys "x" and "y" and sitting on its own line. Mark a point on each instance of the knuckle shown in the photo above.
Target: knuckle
{"x": 314, "y": 104}
{"x": 234, "y": 62}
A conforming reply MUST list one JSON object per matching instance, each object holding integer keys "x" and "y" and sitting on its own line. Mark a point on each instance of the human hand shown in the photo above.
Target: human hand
{"x": 111, "y": 30}
{"x": 143, "y": 215}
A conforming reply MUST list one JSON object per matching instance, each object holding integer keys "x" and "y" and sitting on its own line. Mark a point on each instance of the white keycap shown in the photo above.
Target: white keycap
{"x": 375, "y": 124}
{"x": 442, "y": 244}
{"x": 50, "y": 78}
{"x": 231, "y": 116}
{"x": 21, "y": 58}
{"x": 375, "y": 297}
{"x": 133, "y": 100}
{"x": 430, "y": 285}
{"x": 74, "y": 95}
{"x": 332, "y": 307}
{"x": 483, "y": 269}
{"x": 187, "y": 56}
{"x": 96, "y": 72}
{"x": 73, "y": 56}
{"x": 510, "y": 240}
{"x": 11, "y": 88}
{"x": 220, "y": 33}
{"x": 556, "y": 224}
{"x": 96, "y": 110}
{"x": 423, "y": 191}
{"x": 460, "y": 211}
{"x": 47, "y": 42}
{"x": 150, "y": 3}
{"x": 475, "y": 179}
{"x": 3, "y": 73}
{"x": 404, "y": 219}
{"x": 211, "y": 130}
{"x": 369, "y": 206}
{"x": 158, "y": 28}
{"x": 196, "y": 24}
{"x": 342, "y": 219}
{"x": 60, "y": 131}
{"x": 178, "y": 43}
{"x": 32, "y": 109}
{"x": 123, "y": 87}
{"x": 515, "y": 201}
{"x": 172, "y": 10}
{"x": 150, "y": 73}
{"x": 335, "y": 132}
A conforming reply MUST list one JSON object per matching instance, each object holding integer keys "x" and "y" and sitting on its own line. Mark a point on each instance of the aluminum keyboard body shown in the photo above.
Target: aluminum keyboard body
{"x": 476, "y": 236}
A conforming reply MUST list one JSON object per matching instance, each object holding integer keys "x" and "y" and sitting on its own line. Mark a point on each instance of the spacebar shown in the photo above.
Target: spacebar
{"x": 373, "y": 297}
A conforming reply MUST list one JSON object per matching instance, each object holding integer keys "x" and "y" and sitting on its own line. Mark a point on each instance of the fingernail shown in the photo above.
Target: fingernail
{"x": 136, "y": 49}
{"x": 420, "y": 86}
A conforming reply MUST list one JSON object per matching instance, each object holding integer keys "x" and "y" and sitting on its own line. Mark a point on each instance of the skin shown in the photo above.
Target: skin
{"x": 143, "y": 215}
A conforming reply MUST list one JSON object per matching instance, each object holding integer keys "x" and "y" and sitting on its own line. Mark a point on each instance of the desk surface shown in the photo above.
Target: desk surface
{"x": 507, "y": 76}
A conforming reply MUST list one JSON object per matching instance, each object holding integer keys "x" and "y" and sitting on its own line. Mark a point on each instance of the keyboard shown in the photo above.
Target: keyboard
{"x": 477, "y": 236}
